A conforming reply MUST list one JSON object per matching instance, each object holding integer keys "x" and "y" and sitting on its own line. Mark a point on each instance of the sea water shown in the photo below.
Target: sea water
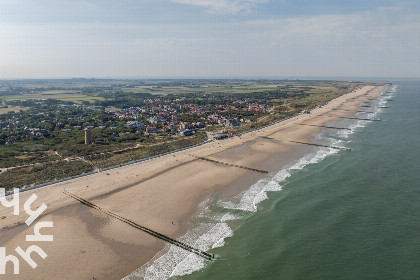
{"x": 333, "y": 214}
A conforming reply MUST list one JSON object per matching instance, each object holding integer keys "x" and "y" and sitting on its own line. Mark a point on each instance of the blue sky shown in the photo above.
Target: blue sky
{"x": 209, "y": 38}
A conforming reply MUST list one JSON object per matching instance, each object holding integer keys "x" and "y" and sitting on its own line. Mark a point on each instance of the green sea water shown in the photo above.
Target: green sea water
{"x": 353, "y": 215}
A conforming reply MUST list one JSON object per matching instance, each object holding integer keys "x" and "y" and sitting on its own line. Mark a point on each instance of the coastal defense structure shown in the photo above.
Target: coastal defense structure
{"x": 88, "y": 136}
{"x": 156, "y": 234}
{"x": 231, "y": 164}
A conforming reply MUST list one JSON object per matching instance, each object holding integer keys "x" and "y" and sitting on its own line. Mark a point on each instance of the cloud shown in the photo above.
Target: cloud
{"x": 224, "y": 6}
{"x": 379, "y": 42}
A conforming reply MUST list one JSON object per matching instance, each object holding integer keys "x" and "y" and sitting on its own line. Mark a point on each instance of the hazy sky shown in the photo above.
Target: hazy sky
{"x": 208, "y": 38}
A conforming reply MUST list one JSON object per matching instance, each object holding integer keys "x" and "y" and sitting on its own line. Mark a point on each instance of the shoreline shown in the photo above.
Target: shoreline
{"x": 148, "y": 193}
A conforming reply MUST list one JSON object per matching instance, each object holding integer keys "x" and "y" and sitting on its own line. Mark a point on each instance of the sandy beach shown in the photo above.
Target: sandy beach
{"x": 161, "y": 194}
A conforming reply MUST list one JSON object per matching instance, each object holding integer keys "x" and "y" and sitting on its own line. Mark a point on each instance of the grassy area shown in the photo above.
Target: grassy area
{"x": 12, "y": 109}
{"x": 212, "y": 89}
{"x": 42, "y": 172}
{"x": 58, "y": 95}
{"x": 25, "y": 153}
{"x": 235, "y": 89}
{"x": 111, "y": 159}
{"x": 49, "y": 171}
{"x": 80, "y": 99}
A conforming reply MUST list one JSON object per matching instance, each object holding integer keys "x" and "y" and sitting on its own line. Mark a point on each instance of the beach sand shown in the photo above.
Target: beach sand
{"x": 162, "y": 194}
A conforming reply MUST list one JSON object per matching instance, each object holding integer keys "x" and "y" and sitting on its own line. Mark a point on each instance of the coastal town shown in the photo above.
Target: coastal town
{"x": 153, "y": 114}
{"x": 90, "y": 124}
{"x": 184, "y": 119}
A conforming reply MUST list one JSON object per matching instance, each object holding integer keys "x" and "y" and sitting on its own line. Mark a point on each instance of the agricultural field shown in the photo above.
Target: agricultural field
{"x": 73, "y": 96}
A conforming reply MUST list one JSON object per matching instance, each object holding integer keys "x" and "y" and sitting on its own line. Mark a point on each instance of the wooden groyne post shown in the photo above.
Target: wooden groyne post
{"x": 354, "y": 118}
{"x": 324, "y": 126}
{"x": 144, "y": 229}
{"x": 368, "y": 106}
{"x": 319, "y": 145}
{"x": 231, "y": 164}
{"x": 310, "y": 144}
{"x": 361, "y": 119}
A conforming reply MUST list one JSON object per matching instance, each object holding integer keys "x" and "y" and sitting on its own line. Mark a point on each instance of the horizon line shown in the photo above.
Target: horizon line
{"x": 209, "y": 78}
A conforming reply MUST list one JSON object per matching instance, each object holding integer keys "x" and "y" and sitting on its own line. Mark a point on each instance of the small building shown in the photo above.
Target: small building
{"x": 200, "y": 125}
{"x": 217, "y": 135}
{"x": 135, "y": 124}
{"x": 220, "y": 136}
{"x": 152, "y": 129}
{"x": 183, "y": 126}
{"x": 154, "y": 120}
{"x": 186, "y": 133}
{"x": 232, "y": 123}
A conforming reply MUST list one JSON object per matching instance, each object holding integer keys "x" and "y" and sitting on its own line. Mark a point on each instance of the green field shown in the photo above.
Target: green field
{"x": 210, "y": 89}
{"x": 231, "y": 89}
{"x": 73, "y": 96}
{"x": 12, "y": 109}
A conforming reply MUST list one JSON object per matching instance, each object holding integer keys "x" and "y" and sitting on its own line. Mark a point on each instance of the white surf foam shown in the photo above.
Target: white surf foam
{"x": 174, "y": 261}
